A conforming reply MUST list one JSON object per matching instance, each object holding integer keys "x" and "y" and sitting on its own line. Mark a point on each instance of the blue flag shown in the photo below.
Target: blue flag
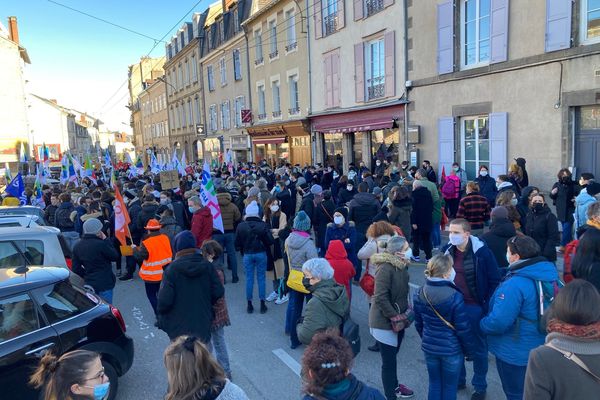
{"x": 17, "y": 188}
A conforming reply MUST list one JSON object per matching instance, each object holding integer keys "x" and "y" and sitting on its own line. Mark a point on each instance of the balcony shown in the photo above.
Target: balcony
{"x": 373, "y": 6}
{"x": 277, "y": 114}
{"x": 258, "y": 61}
{"x": 262, "y": 116}
{"x": 294, "y": 111}
{"x": 376, "y": 88}
{"x": 291, "y": 46}
{"x": 330, "y": 24}
{"x": 273, "y": 54}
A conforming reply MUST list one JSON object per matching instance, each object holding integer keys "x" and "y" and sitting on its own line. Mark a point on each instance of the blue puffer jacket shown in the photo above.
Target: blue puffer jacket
{"x": 512, "y": 323}
{"x": 582, "y": 203}
{"x": 438, "y": 338}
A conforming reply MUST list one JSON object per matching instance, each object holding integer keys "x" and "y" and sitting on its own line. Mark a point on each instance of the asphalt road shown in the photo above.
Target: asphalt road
{"x": 262, "y": 362}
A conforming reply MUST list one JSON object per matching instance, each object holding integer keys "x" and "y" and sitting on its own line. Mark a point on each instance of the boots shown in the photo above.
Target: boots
{"x": 250, "y": 308}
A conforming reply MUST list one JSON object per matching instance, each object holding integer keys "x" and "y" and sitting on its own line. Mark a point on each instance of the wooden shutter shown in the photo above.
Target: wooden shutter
{"x": 499, "y": 31}
{"x": 446, "y": 144}
{"x": 390, "y": 64}
{"x": 359, "y": 71}
{"x": 445, "y": 31}
{"x": 498, "y": 135}
{"x": 327, "y": 84}
{"x": 318, "y": 16}
{"x": 558, "y": 24}
{"x": 341, "y": 22}
{"x": 335, "y": 79}
{"x": 358, "y": 9}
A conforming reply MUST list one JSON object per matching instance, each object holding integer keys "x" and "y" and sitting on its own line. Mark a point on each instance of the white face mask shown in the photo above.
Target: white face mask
{"x": 274, "y": 208}
{"x": 456, "y": 239}
{"x": 514, "y": 202}
{"x": 508, "y": 257}
{"x": 452, "y": 275}
{"x": 338, "y": 220}
{"x": 349, "y": 188}
{"x": 378, "y": 163}
{"x": 408, "y": 254}
{"x": 483, "y": 173}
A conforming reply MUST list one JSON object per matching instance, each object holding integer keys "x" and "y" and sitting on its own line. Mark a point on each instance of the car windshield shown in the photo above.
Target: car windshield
{"x": 31, "y": 211}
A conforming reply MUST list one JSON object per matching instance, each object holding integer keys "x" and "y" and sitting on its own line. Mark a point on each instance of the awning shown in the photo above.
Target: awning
{"x": 287, "y": 128}
{"x": 268, "y": 140}
{"x": 359, "y": 121}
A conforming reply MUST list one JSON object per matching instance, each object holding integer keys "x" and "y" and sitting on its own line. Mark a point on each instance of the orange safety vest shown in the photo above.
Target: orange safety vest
{"x": 159, "y": 255}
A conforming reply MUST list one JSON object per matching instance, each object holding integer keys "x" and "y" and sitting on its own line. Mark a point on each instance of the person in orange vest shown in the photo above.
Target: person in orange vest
{"x": 155, "y": 255}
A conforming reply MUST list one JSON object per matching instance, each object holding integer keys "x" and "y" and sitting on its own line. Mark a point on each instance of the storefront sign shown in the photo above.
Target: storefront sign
{"x": 246, "y": 116}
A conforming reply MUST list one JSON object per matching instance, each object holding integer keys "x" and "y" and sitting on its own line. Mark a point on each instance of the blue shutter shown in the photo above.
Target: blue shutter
{"x": 499, "y": 31}
{"x": 445, "y": 27}
{"x": 446, "y": 144}
{"x": 558, "y": 24}
{"x": 498, "y": 134}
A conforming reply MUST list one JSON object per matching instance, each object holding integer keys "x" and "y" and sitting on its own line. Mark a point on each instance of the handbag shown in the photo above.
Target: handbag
{"x": 367, "y": 283}
{"x": 402, "y": 320}
{"x": 294, "y": 280}
{"x": 351, "y": 332}
{"x": 448, "y": 324}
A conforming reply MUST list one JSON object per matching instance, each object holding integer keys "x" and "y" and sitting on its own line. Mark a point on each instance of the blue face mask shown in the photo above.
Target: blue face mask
{"x": 192, "y": 209}
{"x": 101, "y": 391}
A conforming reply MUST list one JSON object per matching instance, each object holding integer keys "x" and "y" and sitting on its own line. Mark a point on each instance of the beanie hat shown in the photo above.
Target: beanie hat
{"x": 253, "y": 191}
{"x": 316, "y": 189}
{"x": 377, "y": 191}
{"x": 499, "y": 212}
{"x": 301, "y": 182}
{"x": 252, "y": 209}
{"x": 184, "y": 240}
{"x": 593, "y": 188}
{"x": 343, "y": 211}
{"x": 302, "y": 222}
{"x": 92, "y": 226}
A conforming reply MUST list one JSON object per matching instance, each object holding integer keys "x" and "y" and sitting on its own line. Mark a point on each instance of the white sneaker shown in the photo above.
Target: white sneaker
{"x": 272, "y": 296}
{"x": 282, "y": 299}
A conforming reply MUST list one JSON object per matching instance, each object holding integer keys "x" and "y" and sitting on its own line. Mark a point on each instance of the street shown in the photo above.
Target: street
{"x": 261, "y": 360}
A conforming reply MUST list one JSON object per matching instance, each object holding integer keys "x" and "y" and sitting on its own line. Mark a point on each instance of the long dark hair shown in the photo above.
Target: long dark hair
{"x": 588, "y": 253}
{"x": 577, "y": 304}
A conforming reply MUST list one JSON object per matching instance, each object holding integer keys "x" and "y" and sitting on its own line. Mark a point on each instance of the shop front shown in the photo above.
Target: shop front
{"x": 241, "y": 148}
{"x": 281, "y": 143}
{"x": 213, "y": 150}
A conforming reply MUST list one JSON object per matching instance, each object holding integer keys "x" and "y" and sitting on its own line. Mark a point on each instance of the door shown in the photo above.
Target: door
{"x": 587, "y": 140}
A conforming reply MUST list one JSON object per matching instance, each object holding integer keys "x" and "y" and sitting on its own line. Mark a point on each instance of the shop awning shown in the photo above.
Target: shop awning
{"x": 359, "y": 121}
{"x": 268, "y": 140}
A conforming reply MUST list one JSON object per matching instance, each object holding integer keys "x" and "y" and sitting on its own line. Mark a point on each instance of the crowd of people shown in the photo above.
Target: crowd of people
{"x": 310, "y": 236}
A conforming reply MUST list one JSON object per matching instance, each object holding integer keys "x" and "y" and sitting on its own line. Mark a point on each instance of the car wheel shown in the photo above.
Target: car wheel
{"x": 111, "y": 374}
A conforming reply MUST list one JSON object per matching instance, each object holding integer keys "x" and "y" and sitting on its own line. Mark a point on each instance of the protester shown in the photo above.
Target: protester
{"x": 503, "y": 183}
{"x": 487, "y": 185}
{"x": 436, "y": 216}
{"x": 323, "y": 216}
{"x": 429, "y": 172}
{"x": 169, "y": 226}
{"x": 585, "y": 198}
{"x": 508, "y": 199}
{"x": 420, "y": 218}
{"x": 63, "y": 220}
{"x": 347, "y": 192}
{"x": 230, "y": 216}
{"x": 542, "y": 226}
{"x": 586, "y": 263}
{"x": 474, "y": 208}
{"x": 563, "y": 195}
{"x": 202, "y": 220}
{"x": 501, "y": 229}
{"x": 524, "y": 204}
{"x": 149, "y": 210}
{"x": 451, "y": 190}
{"x": 50, "y": 210}
{"x": 362, "y": 210}
{"x": 344, "y": 230}
{"x": 276, "y": 219}
{"x": 400, "y": 208}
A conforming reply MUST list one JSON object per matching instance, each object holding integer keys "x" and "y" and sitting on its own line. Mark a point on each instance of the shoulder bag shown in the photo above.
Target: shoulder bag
{"x": 573, "y": 357}
{"x": 448, "y": 324}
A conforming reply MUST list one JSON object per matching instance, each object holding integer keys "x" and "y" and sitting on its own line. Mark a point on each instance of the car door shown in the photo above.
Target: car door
{"x": 24, "y": 339}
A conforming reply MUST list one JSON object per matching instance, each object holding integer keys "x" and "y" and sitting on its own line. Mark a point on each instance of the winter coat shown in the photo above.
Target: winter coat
{"x": 327, "y": 308}
{"x": 344, "y": 196}
{"x": 431, "y": 176}
{"x": 348, "y": 389}
{"x": 462, "y": 176}
{"x": 543, "y": 227}
{"x": 363, "y": 208}
{"x": 229, "y": 391}
{"x": 92, "y": 260}
{"x": 229, "y": 212}
{"x": 391, "y": 290}
{"x": 523, "y": 205}
{"x": 422, "y": 208}
{"x": 134, "y": 208}
{"x": 511, "y": 325}
{"x": 221, "y": 314}
{"x": 190, "y": 287}
{"x": 169, "y": 227}
{"x": 371, "y": 248}
{"x": 253, "y": 236}
{"x": 149, "y": 211}
{"x": 300, "y": 248}
{"x": 475, "y": 209}
{"x": 62, "y": 217}
{"x": 501, "y": 229}
{"x": 178, "y": 212}
{"x": 285, "y": 201}
{"x": 437, "y": 338}
{"x": 504, "y": 186}
{"x": 49, "y": 214}
{"x": 399, "y": 215}
{"x": 323, "y": 215}
{"x": 308, "y": 206}
{"x": 487, "y": 188}
{"x": 563, "y": 200}
{"x": 436, "y": 215}
{"x": 346, "y": 231}
{"x": 202, "y": 225}
{"x": 582, "y": 203}
{"x": 343, "y": 269}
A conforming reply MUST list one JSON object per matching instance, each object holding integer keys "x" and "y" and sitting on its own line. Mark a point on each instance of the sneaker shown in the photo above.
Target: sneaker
{"x": 272, "y": 296}
{"x": 462, "y": 386}
{"x": 402, "y": 392}
{"x": 282, "y": 299}
{"x": 374, "y": 347}
{"x": 263, "y": 307}
{"x": 125, "y": 278}
{"x": 478, "y": 396}
{"x": 235, "y": 279}
{"x": 416, "y": 258}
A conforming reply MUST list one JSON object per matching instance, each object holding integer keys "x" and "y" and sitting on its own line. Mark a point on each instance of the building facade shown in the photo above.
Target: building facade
{"x": 154, "y": 121}
{"x": 500, "y": 79}
{"x": 278, "y": 62}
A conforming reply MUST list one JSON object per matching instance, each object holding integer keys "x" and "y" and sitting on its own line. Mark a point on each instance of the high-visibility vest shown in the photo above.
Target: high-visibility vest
{"x": 160, "y": 254}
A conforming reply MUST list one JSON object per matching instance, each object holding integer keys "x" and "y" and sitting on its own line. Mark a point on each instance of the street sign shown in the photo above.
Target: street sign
{"x": 246, "y": 116}
{"x": 199, "y": 129}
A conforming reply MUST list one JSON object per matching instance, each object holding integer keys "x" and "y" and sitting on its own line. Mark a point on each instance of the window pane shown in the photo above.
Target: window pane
{"x": 484, "y": 50}
{"x": 9, "y": 256}
{"x": 484, "y": 133}
{"x": 484, "y": 8}
{"x": 590, "y": 118}
{"x": 484, "y": 151}
{"x": 470, "y": 9}
{"x": 469, "y": 129}
{"x": 484, "y": 28}
{"x": 470, "y": 150}
{"x": 593, "y": 24}
{"x": 62, "y": 301}
{"x": 593, "y": 5}
{"x": 471, "y": 169}
{"x": 470, "y": 33}
{"x": 17, "y": 317}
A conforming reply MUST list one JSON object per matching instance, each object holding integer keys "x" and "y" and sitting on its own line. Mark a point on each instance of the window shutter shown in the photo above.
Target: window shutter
{"x": 445, "y": 28}
{"x": 335, "y": 79}
{"x": 358, "y": 9}
{"x": 318, "y": 15}
{"x": 327, "y": 83}
{"x": 558, "y": 24}
{"x": 498, "y": 136}
{"x": 446, "y": 144}
{"x": 341, "y": 22}
{"x": 499, "y": 31}
{"x": 359, "y": 71}
{"x": 390, "y": 64}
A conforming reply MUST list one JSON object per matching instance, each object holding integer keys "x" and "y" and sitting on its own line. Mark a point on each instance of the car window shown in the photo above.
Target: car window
{"x": 9, "y": 255}
{"x": 62, "y": 300}
{"x": 17, "y": 317}
{"x": 8, "y": 224}
{"x": 33, "y": 250}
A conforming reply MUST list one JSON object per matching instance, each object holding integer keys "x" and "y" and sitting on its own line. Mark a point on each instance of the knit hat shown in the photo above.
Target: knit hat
{"x": 377, "y": 191}
{"x": 593, "y": 188}
{"x": 499, "y": 212}
{"x": 92, "y": 226}
{"x": 316, "y": 189}
{"x": 301, "y": 182}
{"x": 302, "y": 222}
{"x": 343, "y": 211}
{"x": 253, "y": 191}
{"x": 252, "y": 209}
{"x": 184, "y": 240}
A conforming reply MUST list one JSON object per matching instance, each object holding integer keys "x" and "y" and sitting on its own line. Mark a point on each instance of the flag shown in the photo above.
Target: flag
{"x": 16, "y": 188}
{"x": 37, "y": 188}
{"x": 154, "y": 166}
{"x": 23, "y": 155}
{"x": 88, "y": 170}
{"x": 107, "y": 159}
{"x": 71, "y": 174}
{"x": 64, "y": 169}
{"x": 139, "y": 165}
{"x": 45, "y": 155}
{"x": 178, "y": 165}
{"x": 7, "y": 173}
{"x": 127, "y": 158}
{"x": 208, "y": 195}
{"x": 443, "y": 177}
{"x": 122, "y": 219}
{"x": 183, "y": 161}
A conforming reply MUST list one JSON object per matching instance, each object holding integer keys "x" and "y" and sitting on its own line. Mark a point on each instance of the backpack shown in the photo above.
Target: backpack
{"x": 546, "y": 292}
{"x": 569, "y": 254}
{"x": 449, "y": 189}
{"x": 351, "y": 332}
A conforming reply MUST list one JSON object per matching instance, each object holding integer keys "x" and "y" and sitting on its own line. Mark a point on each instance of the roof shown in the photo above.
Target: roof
{"x": 214, "y": 10}
{"x": 263, "y": 10}
{"x": 12, "y": 281}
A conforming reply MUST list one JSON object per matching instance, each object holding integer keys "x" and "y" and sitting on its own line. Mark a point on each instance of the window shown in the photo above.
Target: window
{"x": 198, "y": 111}
{"x": 187, "y": 73}
{"x": 183, "y": 119}
{"x": 276, "y": 99}
{"x": 225, "y": 115}
{"x": 293, "y": 88}
{"x": 210, "y": 76}
{"x": 262, "y": 113}
{"x": 258, "y": 46}
{"x": 475, "y": 149}
{"x": 213, "y": 117}
{"x": 290, "y": 21}
{"x": 590, "y": 21}
{"x": 330, "y": 16}
{"x": 10, "y": 256}
{"x": 172, "y": 116}
{"x": 273, "y": 31}
{"x": 62, "y": 301}
{"x": 475, "y": 32}
{"x": 180, "y": 77}
{"x": 190, "y": 112}
{"x": 194, "y": 69}
{"x": 237, "y": 65}
{"x": 223, "y": 71}
{"x": 375, "y": 69}
{"x": 18, "y": 317}
{"x": 373, "y": 7}
{"x": 236, "y": 21}
{"x": 239, "y": 106}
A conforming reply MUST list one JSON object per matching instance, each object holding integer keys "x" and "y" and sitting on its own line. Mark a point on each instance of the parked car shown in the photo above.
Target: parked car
{"x": 41, "y": 245}
{"x": 45, "y": 309}
{"x": 26, "y": 221}
{"x": 25, "y": 210}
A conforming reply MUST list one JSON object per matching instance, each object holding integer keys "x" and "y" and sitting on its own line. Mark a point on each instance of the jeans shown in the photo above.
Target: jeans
{"x": 422, "y": 240}
{"x": 152, "y": 293}
{"x": 258, "y": 262}
{"x": 71, "y": 238}
{"x": 436, "y": 237}
{"x": 567, "y": 233}
{"x": 130, "y": 264}
{"x": 443, "y": 376}
{"x": 293, "y": 313}
{"x": 480, "y": 358}
{"x": 512, "y": 378}
{"x": 389, "y": 373}
{"x": 107, "y": 295}
{"x": 217, "y": 340}
{"x": 227, "y": 241}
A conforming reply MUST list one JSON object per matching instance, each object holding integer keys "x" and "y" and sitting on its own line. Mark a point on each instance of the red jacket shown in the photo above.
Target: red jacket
{"x": 343, "y": 270}
{"x": 202, "y": 225}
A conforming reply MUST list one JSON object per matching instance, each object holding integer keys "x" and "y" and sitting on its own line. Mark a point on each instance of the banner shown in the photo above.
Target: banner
{"x": 122, "y": 219}
{"x": 208, "y": 195}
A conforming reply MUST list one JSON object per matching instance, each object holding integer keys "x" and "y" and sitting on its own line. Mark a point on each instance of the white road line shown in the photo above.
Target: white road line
{"x": 414, "y": 286}
{"x": 288, "y": 360}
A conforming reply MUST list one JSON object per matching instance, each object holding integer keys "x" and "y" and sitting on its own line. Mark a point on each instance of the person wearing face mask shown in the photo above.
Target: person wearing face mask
{"x": 542, "y": 227}
{"x": 346, "y": 193}
{"x": 379, "y": 171}
{"x": 524, "y": 203}
{"x": 167, "y": 201}
{"x": 584, "y": 199}
{"x": 342, "y": 229}
{"x": 231, "y": 217}
{"x": 487, "y": 185}
{"x": 508, "y": 199}
{"x": 512, "y": 323}
{"x": 477, "y": 276}
{"x": 563, "y": 195}
{"x": 329, "y": 304}
{"x": 323, "y": 216}
{"x": 202, "y": 220}
{"x": 462, "y": 175}
{"x": 444, "y": 327}
{"x": 276, "y": 219}
{"x": 503, "y": 184}
{"x": 76, "y": 375}
{"x": 284, "y": 197}
{"x": 429, "y": 171}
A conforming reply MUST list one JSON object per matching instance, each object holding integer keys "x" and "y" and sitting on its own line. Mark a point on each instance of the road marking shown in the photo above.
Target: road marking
{"x": 414, "y": 286}
{"x": 288, "y": 360}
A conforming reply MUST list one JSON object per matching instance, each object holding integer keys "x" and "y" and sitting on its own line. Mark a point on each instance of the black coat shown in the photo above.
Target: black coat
{"x": 344, "y": 196}
{"x": 253, "y": 236}
{"x": 501, "y": 229}
{"x": 286, "y": 204}
{"x": 543, "y": 227}
{"x": 149, "y": 211}
{"x": 92, "y": 260}
{"x": 422, "y": 208}
{"x": 563, "y": 200}
{"x": 190, "y": 287}
{"x": 62, "y": 217}
{"x": 322, "y": 216}
{"x": 363, "y": 208}
{"x": 135, "y": 210}
{"x": 308, "y": 206}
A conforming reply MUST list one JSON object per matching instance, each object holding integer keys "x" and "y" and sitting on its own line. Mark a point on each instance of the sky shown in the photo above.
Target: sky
{"x": 82, "y": 62}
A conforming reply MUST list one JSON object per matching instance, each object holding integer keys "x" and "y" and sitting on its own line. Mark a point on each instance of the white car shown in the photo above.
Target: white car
{"x": 40, "y": 245}
{"x": 26, "y": 221}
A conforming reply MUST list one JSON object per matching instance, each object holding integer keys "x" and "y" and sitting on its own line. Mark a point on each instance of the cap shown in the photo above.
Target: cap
{"x": 152, "y": 225}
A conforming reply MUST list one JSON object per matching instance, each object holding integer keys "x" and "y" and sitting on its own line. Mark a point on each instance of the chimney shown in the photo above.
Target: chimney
{"x": 13, "y": 30}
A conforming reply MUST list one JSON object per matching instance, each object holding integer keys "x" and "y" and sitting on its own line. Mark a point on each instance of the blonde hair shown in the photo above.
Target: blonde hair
{"x": 472, "y": 186}
{"x": 439, "y": 265}
{"x": 380, "y": 228}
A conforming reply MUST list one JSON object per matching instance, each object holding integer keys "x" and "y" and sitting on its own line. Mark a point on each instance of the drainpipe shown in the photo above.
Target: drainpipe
{"x": 313, "y": 143}
{"x": 203, "y": 96}
{"x": 406, "y": 90}
{"x": 251, "y": 158}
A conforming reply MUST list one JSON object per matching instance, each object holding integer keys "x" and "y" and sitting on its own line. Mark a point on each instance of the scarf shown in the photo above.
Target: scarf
{"x": 593, "y": 223}
{"x": 588, "y": 332}
{"x": 301, "y": 233}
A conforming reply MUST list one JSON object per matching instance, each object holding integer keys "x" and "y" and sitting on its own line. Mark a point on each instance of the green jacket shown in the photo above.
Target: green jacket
{"x": 326, "y": 309}
{"x": 436, "y": 217}
{"x": 391, "y": 289}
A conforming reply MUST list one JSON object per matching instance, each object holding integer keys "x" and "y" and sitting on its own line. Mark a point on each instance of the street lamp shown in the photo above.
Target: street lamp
{"x": 163, "y": 80}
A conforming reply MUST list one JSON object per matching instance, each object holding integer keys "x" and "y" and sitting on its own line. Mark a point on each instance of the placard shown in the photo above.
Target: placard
{"x": 169, "y": 179}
